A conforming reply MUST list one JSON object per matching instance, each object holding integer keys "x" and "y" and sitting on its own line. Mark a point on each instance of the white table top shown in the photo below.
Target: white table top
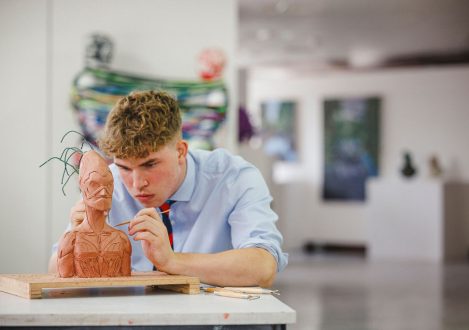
{"x": 138, "y": 306}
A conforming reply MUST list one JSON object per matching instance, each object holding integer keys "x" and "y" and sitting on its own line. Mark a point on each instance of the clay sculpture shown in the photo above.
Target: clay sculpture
{"x": 93, "y": 248}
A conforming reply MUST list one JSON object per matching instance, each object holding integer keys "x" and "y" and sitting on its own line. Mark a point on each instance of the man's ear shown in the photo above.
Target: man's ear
{"x": 182, "y": 148}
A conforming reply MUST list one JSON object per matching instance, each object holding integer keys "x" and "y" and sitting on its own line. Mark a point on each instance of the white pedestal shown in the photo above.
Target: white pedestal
{"x": 417, "y": 219}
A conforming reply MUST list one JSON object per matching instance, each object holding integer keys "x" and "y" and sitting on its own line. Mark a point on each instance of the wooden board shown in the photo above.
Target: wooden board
{"x": 31, "y": 285}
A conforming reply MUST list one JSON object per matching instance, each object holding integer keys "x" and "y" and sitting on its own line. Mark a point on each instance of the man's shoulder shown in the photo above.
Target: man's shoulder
{"x": 218, "y": 161}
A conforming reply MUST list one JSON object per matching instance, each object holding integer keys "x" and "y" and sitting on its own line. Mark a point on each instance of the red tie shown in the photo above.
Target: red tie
{"x": 165, "y": 217}
{"x": 164, "y": 209}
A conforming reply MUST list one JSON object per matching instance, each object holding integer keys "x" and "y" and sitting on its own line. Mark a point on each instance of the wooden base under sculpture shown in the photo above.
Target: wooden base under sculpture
{"x": 31, "y": 285}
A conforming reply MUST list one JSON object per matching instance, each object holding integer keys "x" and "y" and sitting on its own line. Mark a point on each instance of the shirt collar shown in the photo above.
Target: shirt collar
{"x": 184, "y": 193}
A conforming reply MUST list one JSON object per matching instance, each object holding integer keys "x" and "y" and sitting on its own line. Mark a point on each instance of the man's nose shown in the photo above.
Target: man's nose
{"x": 139, "y": 181}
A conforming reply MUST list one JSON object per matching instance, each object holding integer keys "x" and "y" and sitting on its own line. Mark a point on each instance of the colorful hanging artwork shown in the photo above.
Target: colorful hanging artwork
{"x": 97, "y": 88}
{"x": 203, "y": 104}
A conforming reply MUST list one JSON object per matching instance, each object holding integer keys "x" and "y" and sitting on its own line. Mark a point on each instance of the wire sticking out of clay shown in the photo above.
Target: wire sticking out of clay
{"x": 66, "y": 159}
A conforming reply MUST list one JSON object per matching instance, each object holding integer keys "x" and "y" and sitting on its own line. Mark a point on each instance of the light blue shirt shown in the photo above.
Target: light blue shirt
{"x": 222, "y": 204}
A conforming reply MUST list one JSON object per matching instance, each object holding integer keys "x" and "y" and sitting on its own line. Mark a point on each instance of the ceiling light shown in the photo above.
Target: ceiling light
{"x": 365, "y": 57}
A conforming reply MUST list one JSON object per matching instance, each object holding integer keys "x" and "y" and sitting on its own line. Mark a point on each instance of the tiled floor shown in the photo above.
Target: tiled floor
{"x": 351, "y": 293}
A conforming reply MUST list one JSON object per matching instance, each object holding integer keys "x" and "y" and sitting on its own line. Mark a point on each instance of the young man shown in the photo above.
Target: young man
{"x": 223, "y": 228}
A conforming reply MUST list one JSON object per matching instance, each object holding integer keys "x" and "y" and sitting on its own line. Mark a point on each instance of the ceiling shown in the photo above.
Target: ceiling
{"x": 352, "y": 33}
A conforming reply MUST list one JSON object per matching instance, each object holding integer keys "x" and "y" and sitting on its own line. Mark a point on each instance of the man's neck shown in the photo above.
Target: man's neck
{"x": 183, "y": 176}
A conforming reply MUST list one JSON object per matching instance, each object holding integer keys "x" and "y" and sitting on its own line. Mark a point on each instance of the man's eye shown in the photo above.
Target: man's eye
{"x": 149, "y": 165}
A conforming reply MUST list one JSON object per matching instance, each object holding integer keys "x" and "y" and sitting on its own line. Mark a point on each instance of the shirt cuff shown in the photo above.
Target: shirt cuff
{"x": 280, "y": 257}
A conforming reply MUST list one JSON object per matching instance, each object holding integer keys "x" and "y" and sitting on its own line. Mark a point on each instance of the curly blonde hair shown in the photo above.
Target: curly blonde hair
{"x": 140, "y": 123}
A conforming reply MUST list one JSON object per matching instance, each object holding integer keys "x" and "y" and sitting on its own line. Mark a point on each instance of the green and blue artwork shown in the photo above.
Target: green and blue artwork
{"x": 351, "y": 146}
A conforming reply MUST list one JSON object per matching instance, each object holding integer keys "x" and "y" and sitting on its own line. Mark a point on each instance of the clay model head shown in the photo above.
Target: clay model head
{"x": 96, "y": 181}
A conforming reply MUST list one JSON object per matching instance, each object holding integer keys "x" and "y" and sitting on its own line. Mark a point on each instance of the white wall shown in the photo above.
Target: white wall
{"x": 425, "y": 110}
{"x": 23, "y": 127}
{"x": 160, "y": 38}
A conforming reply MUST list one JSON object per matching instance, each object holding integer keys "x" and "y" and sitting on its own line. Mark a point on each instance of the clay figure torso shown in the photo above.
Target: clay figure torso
{"x": 89, "y": 254}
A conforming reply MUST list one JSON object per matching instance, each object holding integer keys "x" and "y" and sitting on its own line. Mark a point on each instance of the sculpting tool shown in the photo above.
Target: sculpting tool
{"x": 240, "y": 292}
{"x": 128, "y": 221}
{"x": 232, "y": 294}
{"x": 252, "y": 290}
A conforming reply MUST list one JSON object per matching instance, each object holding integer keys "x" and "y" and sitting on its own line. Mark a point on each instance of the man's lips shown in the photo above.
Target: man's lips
{"x": 144, "y": 197}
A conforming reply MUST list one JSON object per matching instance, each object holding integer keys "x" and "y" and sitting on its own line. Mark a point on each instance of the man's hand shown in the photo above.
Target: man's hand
{"x": 148, "y": 227}
{"x": 77, "y": 214}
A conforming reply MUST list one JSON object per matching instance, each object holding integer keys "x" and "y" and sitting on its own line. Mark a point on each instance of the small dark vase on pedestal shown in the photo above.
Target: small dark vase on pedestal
{"x": 409, "y": 169}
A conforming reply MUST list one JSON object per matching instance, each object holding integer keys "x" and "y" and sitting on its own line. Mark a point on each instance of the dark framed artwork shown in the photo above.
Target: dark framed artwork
{"x": 351, "y": 146}
{"x": 278, "y": 129}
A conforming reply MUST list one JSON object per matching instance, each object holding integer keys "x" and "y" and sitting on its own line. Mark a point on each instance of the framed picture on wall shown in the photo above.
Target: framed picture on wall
{"x": 278, "y": 129}
{"x": 351, "y": 146}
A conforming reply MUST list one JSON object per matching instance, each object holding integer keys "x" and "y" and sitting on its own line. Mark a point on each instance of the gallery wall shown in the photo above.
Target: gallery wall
{"x": 41, "y": 54}
{"x": 24, "y": 135}
{"x": 424, "y": 111}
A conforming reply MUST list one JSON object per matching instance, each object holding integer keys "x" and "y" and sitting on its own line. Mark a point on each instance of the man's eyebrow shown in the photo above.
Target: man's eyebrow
{"x": 120, "y": 165}
{"x": 148, "y": 162}
{"x": 145, "y": 163}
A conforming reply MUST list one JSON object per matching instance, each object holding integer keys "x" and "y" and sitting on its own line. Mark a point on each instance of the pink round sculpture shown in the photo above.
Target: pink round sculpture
{"x": 93, "y": 248}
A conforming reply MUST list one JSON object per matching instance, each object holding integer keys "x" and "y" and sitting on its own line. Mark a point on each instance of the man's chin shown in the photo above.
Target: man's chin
{"x": 147, "y": 205}
{"x": 147, "y": 202}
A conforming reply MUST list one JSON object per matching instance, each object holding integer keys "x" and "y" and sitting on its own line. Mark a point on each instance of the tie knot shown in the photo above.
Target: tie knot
{"x": 166, "y": 205}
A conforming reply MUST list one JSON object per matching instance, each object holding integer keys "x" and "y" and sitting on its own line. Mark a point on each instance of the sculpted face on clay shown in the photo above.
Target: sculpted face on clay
{"x": 93, "y": 248}
{"x": 97, "y": 188}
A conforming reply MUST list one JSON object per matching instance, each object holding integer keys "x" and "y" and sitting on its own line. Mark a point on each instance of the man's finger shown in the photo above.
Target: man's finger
{"x": 77, "y": 214}
{"x": 145, "y": 236}
{"x": 152, "y": 226}
{"x": 149, "y": 212}
{"x": 141, "y": 219}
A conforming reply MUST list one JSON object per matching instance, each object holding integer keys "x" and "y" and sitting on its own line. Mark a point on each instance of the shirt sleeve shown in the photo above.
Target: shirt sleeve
{"x": 252, "y": 220}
